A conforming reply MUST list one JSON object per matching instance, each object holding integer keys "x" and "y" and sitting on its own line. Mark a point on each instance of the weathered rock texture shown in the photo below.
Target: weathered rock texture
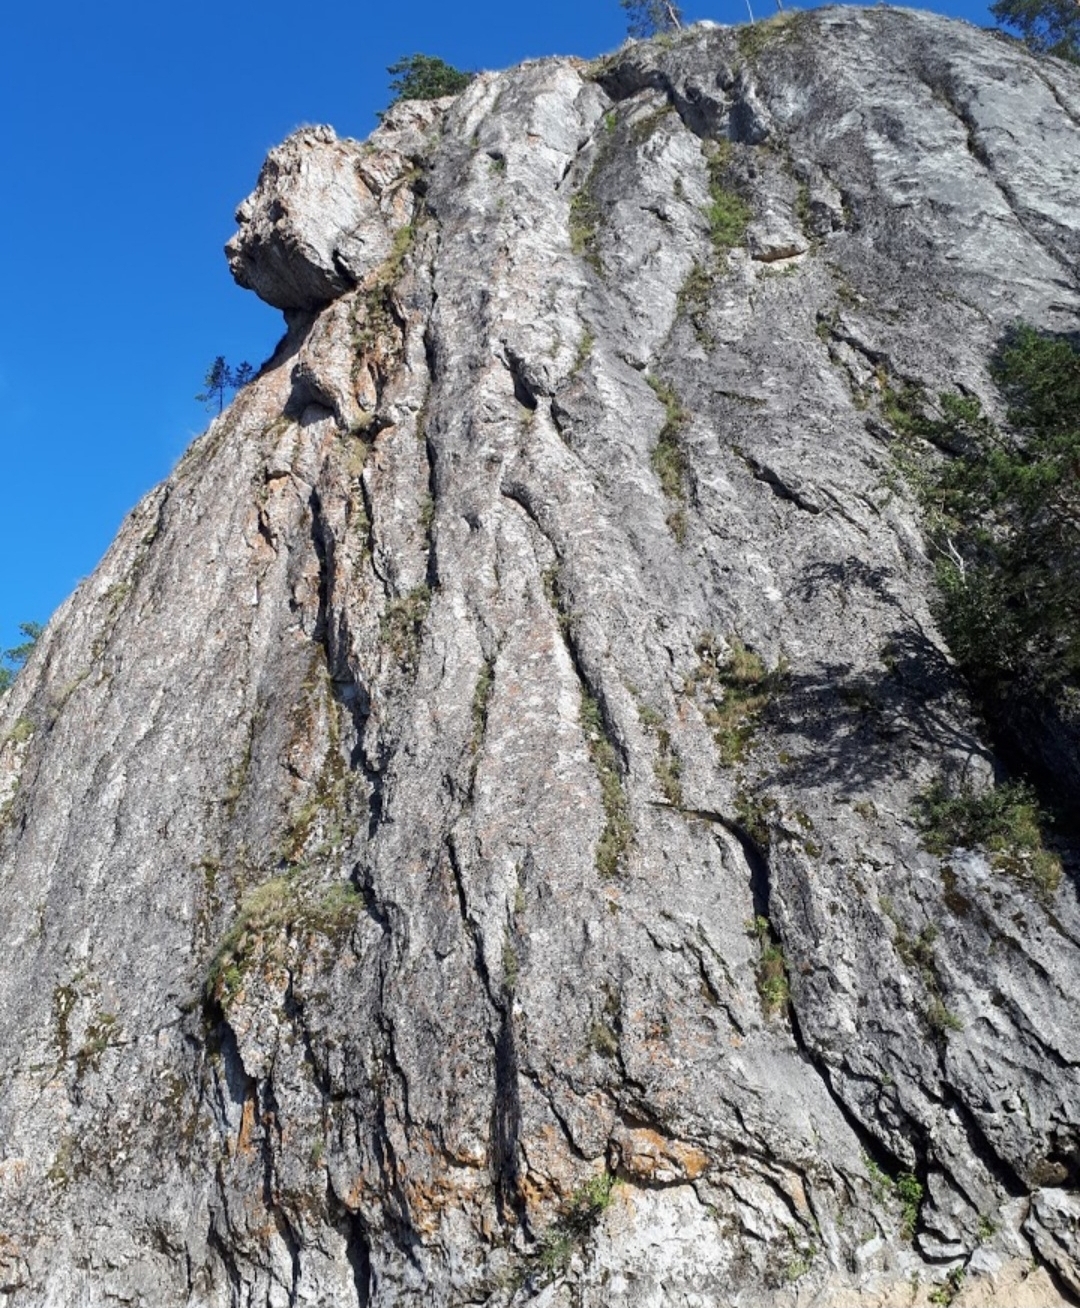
{"x": 384, "y": 882}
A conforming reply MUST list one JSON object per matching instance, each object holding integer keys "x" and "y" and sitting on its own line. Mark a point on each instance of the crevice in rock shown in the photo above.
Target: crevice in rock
{"x": 221, "y": 1249}
{"x": 524, "y": 390}
{"x": 756, "y": 862}
{"x": 780, "y": 488}
{"x": 979, "y": 152}
{"x": 347, "y": 689}
{"x": 293, "y": 1009}
{"x": 394, "y": 1201}
{"x": 471, "y": 928}
{"x": 519, "y": 494}
{"x": 270, "y": 1116}
{"x": 357, "y": 1247}
{"x": 431, "y": 571}
{"x": 1052, "y": 88}
{"x": 999, "y": 1168}
{"x": 506, "y": 1125}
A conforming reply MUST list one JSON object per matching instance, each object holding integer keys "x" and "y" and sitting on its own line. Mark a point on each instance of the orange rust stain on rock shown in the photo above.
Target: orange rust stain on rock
{"x": 646, "y": 1155}
{"x": 244, "y": 1143}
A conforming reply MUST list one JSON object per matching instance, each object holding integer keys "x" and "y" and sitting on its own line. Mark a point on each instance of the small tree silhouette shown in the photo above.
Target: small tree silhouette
{"x": 425, "y": 77}
{"x": 220, "y": 379}
{"x": 18, "y": 655}
{"x": 647, "y": 17}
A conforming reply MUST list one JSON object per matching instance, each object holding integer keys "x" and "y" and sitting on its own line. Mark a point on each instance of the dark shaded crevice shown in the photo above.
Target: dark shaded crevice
{"x": 872, "y": 1145}
{"x": 980, "y": 1145}
{"x": 506, "y": 1126}
{"x": 780, "y": 488}
{"x": 756, "y": 861}
{"x": 699, "y": 111}
{"x": 293, "y": 1009}
{"x": 269, "y": 1116}
{"x": 1050, "y": 86}
{"x": 560, "y": 1118}
{"x": 216, "y": 1242}
{"x": 525, "y": 390}
{"x": 357, "y": 1248}
{"x": 519, "y": 495}
{"x": 471, "y": 930}
{"x": 431, "y": 570}
{"x": 348, "y": 690}
{"x": 395, "y": 1204}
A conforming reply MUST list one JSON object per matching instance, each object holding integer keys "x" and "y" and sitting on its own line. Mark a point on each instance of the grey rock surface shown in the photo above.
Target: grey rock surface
{"x": 396, "y": 908}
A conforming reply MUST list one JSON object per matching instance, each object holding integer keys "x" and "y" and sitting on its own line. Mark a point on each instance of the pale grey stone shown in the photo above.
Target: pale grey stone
{"x": 350, "y": 643}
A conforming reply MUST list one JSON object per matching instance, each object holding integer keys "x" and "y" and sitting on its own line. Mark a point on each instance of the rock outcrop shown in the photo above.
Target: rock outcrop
{"x": 462, "y": 844}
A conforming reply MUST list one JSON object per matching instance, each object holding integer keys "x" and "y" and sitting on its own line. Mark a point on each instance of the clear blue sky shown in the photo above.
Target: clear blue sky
{"x": 131, "y": 131}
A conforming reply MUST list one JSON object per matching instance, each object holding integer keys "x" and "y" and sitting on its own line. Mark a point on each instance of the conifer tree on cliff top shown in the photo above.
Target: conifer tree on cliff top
{"x": 1048, "y": 26}
{"x": 647, "y": 17}
{"x": 425, "y": 77}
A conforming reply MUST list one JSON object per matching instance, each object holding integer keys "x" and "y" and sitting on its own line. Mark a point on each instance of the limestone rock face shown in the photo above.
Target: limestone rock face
{"x": 324, "y": 212}
{"x": 461, "y": 846}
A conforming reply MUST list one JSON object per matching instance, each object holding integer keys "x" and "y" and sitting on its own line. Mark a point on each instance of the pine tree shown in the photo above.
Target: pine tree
{"x": 1047, "y": 26}
{"x": 17, "y": 656}
{"x": 220, "y": 379}
{"x": 425, "y": 77}
{"x": 648, "y": 17}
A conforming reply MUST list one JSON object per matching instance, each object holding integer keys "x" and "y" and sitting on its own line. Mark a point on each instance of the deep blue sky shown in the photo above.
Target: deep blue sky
{"x": 130, "y": 133}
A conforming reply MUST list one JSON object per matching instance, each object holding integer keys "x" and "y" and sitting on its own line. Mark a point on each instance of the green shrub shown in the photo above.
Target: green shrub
{"x": 668, "y": 457}
{"x": 906, "y": 1187}
{"x": 402, "y": 624}
{"x": 1003, "y": 514}
{"x": 585, "y": 218}
{"x": 667, "y": 768}
{"x": 14, "y": 658}
{"x": 577, "y": 1220}
{"x": 485, "y": 688}
{"x": 1005, "y": 821}
{"x": 268, "y": 913}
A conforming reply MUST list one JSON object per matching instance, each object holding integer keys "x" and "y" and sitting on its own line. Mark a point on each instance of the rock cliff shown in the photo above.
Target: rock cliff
{"x": 462, "y": 845}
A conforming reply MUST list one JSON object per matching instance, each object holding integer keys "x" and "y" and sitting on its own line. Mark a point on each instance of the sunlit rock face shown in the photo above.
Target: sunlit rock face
{"x": 462, "y": 846}
{"x": 324, "y": 212}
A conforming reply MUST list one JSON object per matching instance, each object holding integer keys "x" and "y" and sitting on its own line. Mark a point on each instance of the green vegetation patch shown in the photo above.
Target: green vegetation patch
{"x": 693, "y": 300}
{"x": 668, "y": 457}
{"x": 669, "y": 461}
{"x": 578, "y": 1219}
{"x": 618, "y": 830}
{"x": 585, "y": 218}
{"x": 917, "y": 953}
{"x": 771, "y": 971}
{"x": 728, "y": 214}
{"x": 905, "y": 1189}
{"x": 1002, "y": 511}
{"x": 424, "y": 77}
{"x": 667, "y": 768}
{"x": 485, "y": 688}
{"x": 402, "y": 626}
{"x": 1005, "y": 821}
{"x": 733, "y": 688}
{"x": 755, "y": 38}
{"x": 269, "y": 915}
